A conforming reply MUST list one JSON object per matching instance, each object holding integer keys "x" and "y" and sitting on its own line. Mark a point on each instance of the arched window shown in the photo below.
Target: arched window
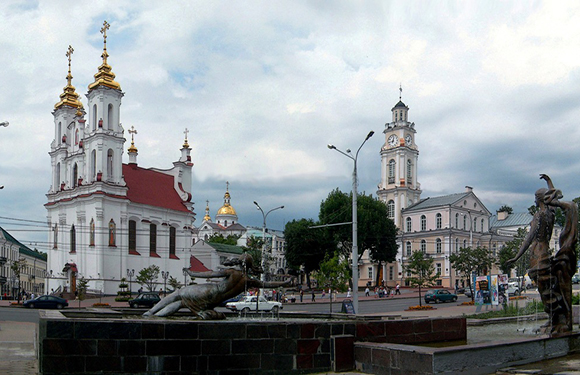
{"x": 457, "y": 245}
{"x": 73, "y": 239}
{"x": 94, "y": 117}
{"x": 474, "y": 228}
{"x": 482, "y": 225}
{"x": 392, "y": 171}
{"x": 58, "y": 180}
{"x": 438, "y": 220}
{"x": 438, "y": 245}
{"x": 55, "y": 245}
{"x": 133, "y": 237}
{"x": 112, "y": 233}
{"x": 75, "y": 176}
{"x": 92, "y": 233}
{"x": 423, "y": 222}
{"x": 153, "y": 240}
{"x": 110, "y": 117}
{"x": 77, "y": 137}
{"x": 409, "y": 224}
{"x": 464, "y": 222}
{"x": 59, "y": 134}
{"x": 110, "y": 165}
{"x": 93, "y": 165}
{"x": 457, "y": 220}
{"x": 391, "y": 209}
{"x": 465, "y": 244}
{"x": 172, "y": 237}
{"x": 409, "y": 249}
{"x": 423, "y": 246}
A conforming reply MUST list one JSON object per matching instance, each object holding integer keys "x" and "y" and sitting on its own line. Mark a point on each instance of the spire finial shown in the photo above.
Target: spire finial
{"x": 227, "y": 186}
{"x": 400, "y": 91}
{"x": 104, "y": 29}
{"x": 68, "y": 54}
{"x": 132, "y": 131}
{"x": 69, "y": 97}
{"x": 185, "y": 144}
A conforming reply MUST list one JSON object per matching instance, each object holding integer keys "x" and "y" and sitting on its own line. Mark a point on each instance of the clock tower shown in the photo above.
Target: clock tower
{"x": 399, "y": 187}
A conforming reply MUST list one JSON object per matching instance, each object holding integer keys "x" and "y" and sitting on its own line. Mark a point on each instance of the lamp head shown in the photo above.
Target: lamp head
{"x": 332, "y": 147}
{"x": 281, "y": 206}
{"x": 4, "y": 123}
{"x": 369, "y": 135}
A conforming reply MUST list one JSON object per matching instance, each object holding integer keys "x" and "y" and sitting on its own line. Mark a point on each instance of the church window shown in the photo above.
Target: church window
{"x": 225, "y": 223}
{"x": 396, "y": 116}
{"x": 482, "y": 225}
{"x": 112, "y": 233}
{"x": 76, "y": 137}
{"x": 457, "y": 245}
{"x": 92, "y": 233}
{"x": 438, "y": 245}
{"x": 59, "y": 133}
{"x": 58, "y": 176}
{"x": 75, "y": 176}
{"x": 423, "y": 222}
{"x": 438, "y": 220}
{"x": 456, "y": 220}
{"x": 409, "y": 172}
{"x": 110, "y": 117}
{"x": 153, "y": 239}
{"x": 73, "y": 239}
{"x": 464, "y": 222}
{"x": 172, "y": 235}
{"x": 55, "y": 230}
{"x": 474, "y": 224}
{"x": 94, "y": 165}
{"x": 391, "y": 209}
{"x": 132, "y": 237}
{"x": 408, "y": 248}
{"x": 94, "y": 117}
{"x": 110, "y": 165}
{"x": 423, "y": 246}
{"x": 409, "y": 224}
{"x": 391, "y": 171}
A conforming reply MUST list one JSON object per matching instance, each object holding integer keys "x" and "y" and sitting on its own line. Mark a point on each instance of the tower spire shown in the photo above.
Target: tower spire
{"x": 69, "y": 96}
{"x": 400, "y": 91}
{"x": 105, "y": 76}
{"x": 207, "y": 217}
{"x": 185, "y": 143}
{"x": 132, "y": 131}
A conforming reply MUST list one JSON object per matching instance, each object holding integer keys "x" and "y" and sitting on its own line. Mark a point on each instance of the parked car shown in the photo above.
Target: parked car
{"x": 46, "y": 302}
{"x": 233, "y": 299}
{"x": 147, "y": 299}
{"x": 468, "y": 292}
{"x": 576, "y": 279}
{"x": 513, "y": 288}
{"x": 440, "y": 295}
{"x": 248, "y": 303}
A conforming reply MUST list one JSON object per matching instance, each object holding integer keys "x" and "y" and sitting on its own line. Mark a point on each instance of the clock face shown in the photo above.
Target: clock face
{"x": 393, "y": 140}
{"x": 408, "y": 140}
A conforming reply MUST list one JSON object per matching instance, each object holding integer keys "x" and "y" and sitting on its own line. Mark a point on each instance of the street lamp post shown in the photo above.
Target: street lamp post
{"x": 164, "y": 276}
{"x": 354, "y": 219}
{"x": 264, "y": 216}
{"x": 4, "y": 124}
{"x": 130, "y": 273}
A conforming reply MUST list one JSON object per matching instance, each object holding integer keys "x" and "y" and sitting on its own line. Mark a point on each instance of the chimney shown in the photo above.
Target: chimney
{"x": 468, "y": 189}
{"x": 502, "y": 215}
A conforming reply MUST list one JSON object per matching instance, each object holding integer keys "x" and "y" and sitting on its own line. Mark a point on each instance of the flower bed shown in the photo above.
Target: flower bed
{"x": 517, "y": 297}
{"x": 469, "y": 303}
{"x": 101, "y": 305}
{"x": 425, "y": 307}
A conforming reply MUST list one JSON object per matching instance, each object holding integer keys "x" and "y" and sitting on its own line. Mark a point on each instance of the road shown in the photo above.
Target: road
{"x": 19, "y": 315}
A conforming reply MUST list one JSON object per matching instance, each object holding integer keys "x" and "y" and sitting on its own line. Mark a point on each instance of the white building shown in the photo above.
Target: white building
{"x": 107, "y": 217}
{"x": 275, "y": 247}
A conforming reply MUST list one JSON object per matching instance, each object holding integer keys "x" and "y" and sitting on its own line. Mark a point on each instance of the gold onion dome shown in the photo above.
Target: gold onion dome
{"x": 227, "y": 209}
{"x": 207, "y": 217}
{"x": 69, "y": 97}
{"x": 105, "y": 76}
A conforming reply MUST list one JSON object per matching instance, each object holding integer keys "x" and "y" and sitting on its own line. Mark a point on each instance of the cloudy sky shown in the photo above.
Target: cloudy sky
{"x": 492, "y": 86}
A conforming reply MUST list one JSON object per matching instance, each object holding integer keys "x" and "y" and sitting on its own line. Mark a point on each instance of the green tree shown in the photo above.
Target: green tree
{"x": 148, "y": 277}
{"x": 509, "y": 251}
{"x": 17, "y": 266}
{"x": 422, "y": 271}
{"x": 82, "y": 286}
{"x": 174, "y": 283}
{"x": 254, "y": 248}
{"x": 334, "y": 273}
{"x": 469, "y": 260}
{"x": 306, "y": 246}
{"x": 506, "y": 208}
{"x": 376, "y": 232}
{"x": 123, "y": 294}
{"x": 219, "y": 238}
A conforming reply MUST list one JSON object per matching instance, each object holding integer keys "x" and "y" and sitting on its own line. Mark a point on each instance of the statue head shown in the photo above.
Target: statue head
{"x": 243, "y": 262}
{"x": 540, "y": 194}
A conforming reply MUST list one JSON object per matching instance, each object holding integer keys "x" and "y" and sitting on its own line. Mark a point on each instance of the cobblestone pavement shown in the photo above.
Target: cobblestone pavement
{"x": 18, "y": 348}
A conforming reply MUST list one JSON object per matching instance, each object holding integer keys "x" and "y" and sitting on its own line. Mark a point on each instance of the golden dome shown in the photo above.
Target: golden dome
{"x": 207, "y": 217}
{"x": 105, "y": 75}
{"x": 69, "y": 96}
{"x": 226, "y": 209}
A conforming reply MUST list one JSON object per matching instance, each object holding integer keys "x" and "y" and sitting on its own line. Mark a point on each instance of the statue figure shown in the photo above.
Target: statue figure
{"x": 203, "y": 298}
{"x": 552, "y": 274}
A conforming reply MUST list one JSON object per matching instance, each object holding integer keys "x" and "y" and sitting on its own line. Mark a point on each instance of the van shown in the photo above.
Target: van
{"x": 524, "y": 282}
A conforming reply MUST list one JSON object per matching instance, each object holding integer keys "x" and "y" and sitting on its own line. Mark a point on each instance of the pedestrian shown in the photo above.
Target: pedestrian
{"x": 301, "y": 295}
{"x": 349, "y": 293}
{"x": 397, "y": 289}
{"x": 313, "y": 296}
{"x": 367, "y": 292}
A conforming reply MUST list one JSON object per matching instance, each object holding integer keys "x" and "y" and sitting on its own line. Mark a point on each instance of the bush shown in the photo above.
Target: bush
{"x": 98, "y": 304}
{"x": 424, "y": 307}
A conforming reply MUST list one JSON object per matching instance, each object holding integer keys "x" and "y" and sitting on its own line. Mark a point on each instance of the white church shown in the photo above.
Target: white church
{"x": 108, "y": 217}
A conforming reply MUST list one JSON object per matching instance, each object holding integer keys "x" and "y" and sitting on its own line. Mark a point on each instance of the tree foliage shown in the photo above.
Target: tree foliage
{"x": 510, "y": 250}
{"x": 472, "y": 260}
{"x": 219, "y": 238}
{"x": 334, "y": 273}
{"x": 148, "y": 277}
{"x": 376, "y": 232}
{"x": 174, "y": 283}
{"x": 506, "y": 208}
{"x": 82, "y": 286}
{"x": 422, "y": 271}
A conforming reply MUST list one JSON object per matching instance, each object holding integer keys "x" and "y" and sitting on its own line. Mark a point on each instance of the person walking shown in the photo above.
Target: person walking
{"x": 301, "y": 295}
{"x": 397, "y": 289}
{"x": 313, "y": 296}
{"x": 367, "y": 292}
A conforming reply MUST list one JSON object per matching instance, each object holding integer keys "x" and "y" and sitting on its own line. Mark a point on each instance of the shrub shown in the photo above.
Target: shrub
{"x": 98, "y": 304}
{"x": 425, "y": 307}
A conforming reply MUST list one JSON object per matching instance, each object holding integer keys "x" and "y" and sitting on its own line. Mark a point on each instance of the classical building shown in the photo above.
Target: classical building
{"x": 105, "y": 216}
{"x": 275, "y": 247}
{"x": 32, "y": 275}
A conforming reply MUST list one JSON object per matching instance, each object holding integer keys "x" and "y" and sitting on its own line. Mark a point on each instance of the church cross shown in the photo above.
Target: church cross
{"x": 104, "y": 29}
{"x": 186, "y": 132}
{"x": 132, "y": 131}
{"x": 400, "y": 91}
{"x": 68, "y": 54}
{"x": 227, "y": 185}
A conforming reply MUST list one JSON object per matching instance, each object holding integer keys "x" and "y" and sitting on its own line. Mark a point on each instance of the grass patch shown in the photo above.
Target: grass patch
{"x": 513, "y": 309}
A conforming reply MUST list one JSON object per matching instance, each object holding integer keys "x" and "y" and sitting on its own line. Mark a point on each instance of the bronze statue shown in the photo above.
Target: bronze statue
{"x": 203, "y": 298}
{"x": 552, "y": 274}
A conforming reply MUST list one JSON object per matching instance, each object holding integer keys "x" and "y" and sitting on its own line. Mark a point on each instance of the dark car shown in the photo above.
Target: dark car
{"x": 46, "y": 302}
{"x": 147, "y": 299}
{"x": 233, "y": 299}
{"x": 440, "y": 295}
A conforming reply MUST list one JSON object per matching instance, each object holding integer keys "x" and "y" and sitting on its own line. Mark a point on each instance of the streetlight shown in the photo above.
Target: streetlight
{"x": 164, "y": 276}
{"x": 4, "y": 123}
{"x": 354, "y": 219}
{"x": 264, "y": 216}
{"x": 184, "y": 277}
{"x": 130, "y": 273}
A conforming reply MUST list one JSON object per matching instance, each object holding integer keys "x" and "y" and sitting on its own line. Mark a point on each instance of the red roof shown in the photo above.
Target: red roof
{"x": 196, "y": 265}
{"x": 152, "y": 188}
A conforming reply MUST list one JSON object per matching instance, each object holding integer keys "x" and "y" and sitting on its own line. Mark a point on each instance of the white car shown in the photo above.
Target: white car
{"x": 248, "y": 303}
